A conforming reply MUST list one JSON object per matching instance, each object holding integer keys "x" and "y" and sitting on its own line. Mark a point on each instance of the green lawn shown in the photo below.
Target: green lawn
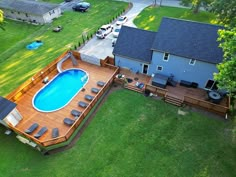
{"x": 150, "y": 18}
{"x": 17, "y": 64}
{"x": 124, "y": 139}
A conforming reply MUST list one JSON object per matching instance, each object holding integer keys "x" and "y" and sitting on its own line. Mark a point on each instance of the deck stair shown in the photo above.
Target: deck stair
{"x": 133, "y": 88}
{"x": 173, "y": 100}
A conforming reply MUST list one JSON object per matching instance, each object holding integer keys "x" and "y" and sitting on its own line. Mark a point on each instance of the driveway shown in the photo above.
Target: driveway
{"x": 101, "y": 48}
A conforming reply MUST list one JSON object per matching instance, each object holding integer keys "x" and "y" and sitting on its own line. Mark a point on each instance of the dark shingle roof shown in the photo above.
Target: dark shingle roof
{"x": 6, "y": 107}
{"x": 189, "y": 39}
{"x": 134, "y": 43}
{"x": 31, "y": 7}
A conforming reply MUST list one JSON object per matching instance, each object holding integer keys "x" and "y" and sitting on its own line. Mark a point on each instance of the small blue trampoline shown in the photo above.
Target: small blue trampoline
{"x": 34, "y": 45}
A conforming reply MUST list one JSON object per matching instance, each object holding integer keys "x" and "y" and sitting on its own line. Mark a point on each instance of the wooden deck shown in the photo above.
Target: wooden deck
{"x": 192, "y": 96}
{"x": 55, "y": 119}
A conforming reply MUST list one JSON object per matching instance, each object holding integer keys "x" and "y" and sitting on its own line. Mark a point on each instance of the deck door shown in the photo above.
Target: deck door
{"x": 145, "y": 68}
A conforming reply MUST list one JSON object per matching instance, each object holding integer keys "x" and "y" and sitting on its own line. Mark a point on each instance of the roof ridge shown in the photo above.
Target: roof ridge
{"x": 192, "y": 21}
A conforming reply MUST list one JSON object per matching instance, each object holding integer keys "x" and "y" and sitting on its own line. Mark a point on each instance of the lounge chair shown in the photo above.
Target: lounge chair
{"x": 82, "y": 104}
{"x": 75, "y": 113}
{"x": 32, "y": 128}
{"x": 100, "y": 83}
{"x": 41, "y": 132}
{"x": 89, "y": 97}
{"x": 95, "y": 90}
{"x": 68, "y": 121}
{"x": 55, "y": 132}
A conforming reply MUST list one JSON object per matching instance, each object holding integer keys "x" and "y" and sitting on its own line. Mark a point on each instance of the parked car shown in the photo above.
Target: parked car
{"x": 121, "y": 20}
{"x": 81, "y": 7}
{"x": 104, "y": 31}
{"x": 57, "y": 29}
{"x": 116, "y": 31}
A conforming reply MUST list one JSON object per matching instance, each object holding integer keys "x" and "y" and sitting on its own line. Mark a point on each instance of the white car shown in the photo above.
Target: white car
{"x": 104, "y": 31}
{"x": 116, "y": 32}
{"x": 121, "y": 20}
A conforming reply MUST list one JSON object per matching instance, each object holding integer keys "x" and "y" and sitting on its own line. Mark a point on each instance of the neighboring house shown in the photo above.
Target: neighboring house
{"x": 9, "y": 113}
{"x": 184, "y": 49}
{"x": 30, "y": 11}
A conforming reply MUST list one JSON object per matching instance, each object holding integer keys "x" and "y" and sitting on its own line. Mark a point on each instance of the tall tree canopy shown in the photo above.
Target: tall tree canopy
{"x": 227, "y": 69}
{"x": 225, "y": 11}
{"x": 196, "y": 4}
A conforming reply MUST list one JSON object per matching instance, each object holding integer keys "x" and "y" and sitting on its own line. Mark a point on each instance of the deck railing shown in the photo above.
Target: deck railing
{"x": 156, "y": 90}
{"x": 216, "y": 108}
{"x": 22, "y": 89}
{"x": 84, "y": 113}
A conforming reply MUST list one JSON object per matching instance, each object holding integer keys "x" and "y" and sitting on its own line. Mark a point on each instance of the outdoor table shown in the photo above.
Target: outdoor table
{"x": 214, "y": 96}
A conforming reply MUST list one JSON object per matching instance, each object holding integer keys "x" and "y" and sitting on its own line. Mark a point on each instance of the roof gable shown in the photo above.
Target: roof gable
{"x": 134, "y": 43}
{"x": 189, "y": 39}
{"x": 32, "y": 7}
{"x": 6, "y": 107}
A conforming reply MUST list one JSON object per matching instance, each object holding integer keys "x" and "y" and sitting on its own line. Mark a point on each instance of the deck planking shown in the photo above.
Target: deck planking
{"x": 55, "y": 119}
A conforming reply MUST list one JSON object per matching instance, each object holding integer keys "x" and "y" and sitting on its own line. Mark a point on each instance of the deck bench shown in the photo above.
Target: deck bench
{"x": 89, "y": 97}
{"x": 185, "y": 83}
{"x": 68, "y": 121}
{"x": 55, "y": 132}
{"x": 95, "y": 90}
{"x": 100, "y": 83}
{"x": 75, "y": 113}
{"x": 82, "y": 104}
{"x": 32, "y": 128}
{"x": 41, "y": 132}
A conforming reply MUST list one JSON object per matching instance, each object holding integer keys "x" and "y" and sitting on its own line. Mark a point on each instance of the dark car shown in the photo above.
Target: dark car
{"x": 81, "y": 7}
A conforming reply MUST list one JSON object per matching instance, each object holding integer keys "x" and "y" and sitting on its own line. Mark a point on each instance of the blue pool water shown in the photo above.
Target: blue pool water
{"x": 60, "y": 90}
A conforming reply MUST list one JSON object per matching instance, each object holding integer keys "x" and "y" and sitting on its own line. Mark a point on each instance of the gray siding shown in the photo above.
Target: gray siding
{"x": 200, "y": 72}
{"x": 132, "y": 65}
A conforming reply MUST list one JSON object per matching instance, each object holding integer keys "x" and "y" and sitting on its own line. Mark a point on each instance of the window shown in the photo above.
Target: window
{"x": 159, "y": 68}
{"x": 192, "y": 62}
{"x": 166, "y": 57}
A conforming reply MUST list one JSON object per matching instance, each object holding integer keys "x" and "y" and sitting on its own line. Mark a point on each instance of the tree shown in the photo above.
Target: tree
{"x": 227, "y": 69}
{"x": 225, "y": 11}
{"x": 196, "y": 4}
{"x": 1, "y": 19}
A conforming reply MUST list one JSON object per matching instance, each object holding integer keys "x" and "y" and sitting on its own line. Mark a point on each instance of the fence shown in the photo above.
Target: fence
{"x": 216, "y": 108}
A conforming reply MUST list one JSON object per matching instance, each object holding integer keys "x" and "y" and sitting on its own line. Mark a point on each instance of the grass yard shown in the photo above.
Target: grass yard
{"x": 150, "y": 18}
{"x": 17, "y": 64}
{"x": 124, "y": 139}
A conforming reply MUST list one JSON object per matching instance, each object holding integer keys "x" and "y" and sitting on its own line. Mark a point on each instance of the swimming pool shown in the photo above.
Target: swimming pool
{"x": 60, "y": 90}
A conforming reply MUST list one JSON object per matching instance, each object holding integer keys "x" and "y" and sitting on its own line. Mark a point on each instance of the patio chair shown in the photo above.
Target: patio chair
{"x": 95, "y": 90}
{"x": 100, "y": 83}
{"x": 55, "y": 132}
{"x": 68, "y": 121}
{"x": 32, "y": 128}
{"x": 75, "y": 113}
{"x": 89, "y": 97}
{"x": 41, "y": 132}
{"x": 82, "y": 104}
